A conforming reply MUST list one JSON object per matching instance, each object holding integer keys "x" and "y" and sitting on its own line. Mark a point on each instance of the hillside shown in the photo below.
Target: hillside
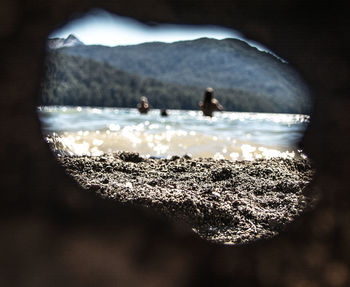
{"x": 70, "y": 41}
{"x": 73, "y": 80}
{"x": 223, "y": 64}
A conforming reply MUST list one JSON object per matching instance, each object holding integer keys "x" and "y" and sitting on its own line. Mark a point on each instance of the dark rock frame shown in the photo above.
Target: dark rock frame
{"x": 54, "y": 234}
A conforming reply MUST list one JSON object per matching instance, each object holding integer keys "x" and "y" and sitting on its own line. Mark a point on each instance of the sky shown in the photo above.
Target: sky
{"x": 103, "y": 28}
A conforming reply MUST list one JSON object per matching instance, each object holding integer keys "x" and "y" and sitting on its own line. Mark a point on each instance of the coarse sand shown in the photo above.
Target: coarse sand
{"x": 231, "y": 202}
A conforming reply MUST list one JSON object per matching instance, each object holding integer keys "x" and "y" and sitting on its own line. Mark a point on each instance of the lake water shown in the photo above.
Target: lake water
{"x": 229, "y": 135}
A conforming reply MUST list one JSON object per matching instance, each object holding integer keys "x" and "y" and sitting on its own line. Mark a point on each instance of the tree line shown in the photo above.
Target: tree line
{"x": 76, "y": 81}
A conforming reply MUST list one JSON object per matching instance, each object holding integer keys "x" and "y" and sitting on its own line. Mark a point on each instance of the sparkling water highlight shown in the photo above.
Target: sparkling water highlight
{"x": 227, "y": 135}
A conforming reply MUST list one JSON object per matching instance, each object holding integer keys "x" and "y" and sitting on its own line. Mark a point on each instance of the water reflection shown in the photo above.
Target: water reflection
{"x": 228, "y": 135}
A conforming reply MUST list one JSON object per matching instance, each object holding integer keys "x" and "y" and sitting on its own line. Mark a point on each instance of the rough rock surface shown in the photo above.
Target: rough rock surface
{"x": 224, "y": 201}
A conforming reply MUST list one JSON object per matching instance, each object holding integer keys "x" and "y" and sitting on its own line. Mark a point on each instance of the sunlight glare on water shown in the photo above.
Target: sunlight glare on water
{"x": 228, "y": 135}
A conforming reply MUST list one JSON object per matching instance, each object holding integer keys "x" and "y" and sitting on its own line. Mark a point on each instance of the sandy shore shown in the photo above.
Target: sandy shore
{"x": 224, "y": 201}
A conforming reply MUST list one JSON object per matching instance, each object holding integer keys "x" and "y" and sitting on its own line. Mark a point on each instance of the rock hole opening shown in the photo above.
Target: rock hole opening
{"x": 127, "y": 120}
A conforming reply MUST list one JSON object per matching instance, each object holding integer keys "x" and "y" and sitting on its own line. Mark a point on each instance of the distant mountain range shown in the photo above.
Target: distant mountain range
{"x": 57, "y": 43}
{"x": 230, "y": 66}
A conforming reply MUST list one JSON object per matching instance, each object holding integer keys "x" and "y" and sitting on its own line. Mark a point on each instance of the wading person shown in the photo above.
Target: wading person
{"x": 209, "y": 103}
{"x": 164, "y": 113}
{"x": 143, "y": 106}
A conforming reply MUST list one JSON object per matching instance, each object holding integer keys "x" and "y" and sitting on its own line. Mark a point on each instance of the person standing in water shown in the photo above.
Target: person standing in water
{"x": 164, "y": 113}
{"x": 209, "y": 103}
{"x": 143, "y": 106}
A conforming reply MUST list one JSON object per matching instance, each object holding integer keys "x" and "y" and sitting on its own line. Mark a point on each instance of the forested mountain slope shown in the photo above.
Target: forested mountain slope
{"x": 173, "y": 76}
{"x": 227, "y": 64}
{"x": 72, "y": 80}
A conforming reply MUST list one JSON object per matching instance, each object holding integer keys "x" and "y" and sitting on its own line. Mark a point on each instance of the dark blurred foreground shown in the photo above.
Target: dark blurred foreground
{"x": 54, "y": 234}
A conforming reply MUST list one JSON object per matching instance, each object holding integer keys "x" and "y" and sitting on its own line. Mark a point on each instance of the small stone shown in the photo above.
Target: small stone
{"x": 216, "y": 194}
{"x": 152, "y": 183}
{"x": 94, "y": 187}
{"x": 187, "y": 156}
{"x": 130, "y": 156}
{"x": 221, "y": 173}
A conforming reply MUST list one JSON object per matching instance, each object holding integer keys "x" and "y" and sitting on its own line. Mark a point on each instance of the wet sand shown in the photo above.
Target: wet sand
{"x": 224, "y": 201}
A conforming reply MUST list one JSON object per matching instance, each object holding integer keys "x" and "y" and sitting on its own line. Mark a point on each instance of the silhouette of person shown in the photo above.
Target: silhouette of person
{"x": 164, "y": 113}
{"x": 209, "y": 103}
{"x": 143, "y": 106}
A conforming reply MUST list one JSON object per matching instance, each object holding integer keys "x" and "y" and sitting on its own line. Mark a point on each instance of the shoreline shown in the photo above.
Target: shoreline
{"x": 231, "y": 202}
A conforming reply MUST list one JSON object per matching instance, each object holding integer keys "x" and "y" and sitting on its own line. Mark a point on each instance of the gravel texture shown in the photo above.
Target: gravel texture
{"x": 224, "y": 201}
